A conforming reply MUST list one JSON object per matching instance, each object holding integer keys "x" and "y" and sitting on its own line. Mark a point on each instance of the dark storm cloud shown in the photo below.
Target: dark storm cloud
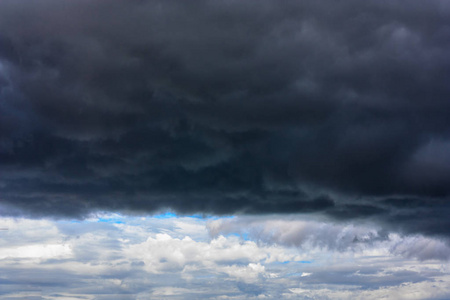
{"x": 227, "y": 106}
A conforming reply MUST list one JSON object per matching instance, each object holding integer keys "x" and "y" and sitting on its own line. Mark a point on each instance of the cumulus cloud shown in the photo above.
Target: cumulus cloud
{"x": 310, "y": 234}
{"x": 120, "y": 257}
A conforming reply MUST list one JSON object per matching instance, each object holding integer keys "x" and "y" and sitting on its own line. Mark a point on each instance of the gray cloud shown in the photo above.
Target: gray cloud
{"x": 307, "y": 234}
{"x": 227, "y": 107}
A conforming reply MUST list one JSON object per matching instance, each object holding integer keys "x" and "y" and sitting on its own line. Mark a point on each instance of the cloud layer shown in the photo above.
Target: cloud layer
{"x": 117, "y": 257}
{"x": 333, "y": 108}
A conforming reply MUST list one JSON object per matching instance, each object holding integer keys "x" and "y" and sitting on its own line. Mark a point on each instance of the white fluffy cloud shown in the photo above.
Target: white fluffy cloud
{"x": 169, "y": 257}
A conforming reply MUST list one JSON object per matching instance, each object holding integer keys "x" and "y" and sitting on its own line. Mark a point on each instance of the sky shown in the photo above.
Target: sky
{"x": 224, "y": 149}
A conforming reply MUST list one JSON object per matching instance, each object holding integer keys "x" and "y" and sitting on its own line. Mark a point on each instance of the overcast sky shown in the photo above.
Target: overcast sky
{"x": 309, "y": 128}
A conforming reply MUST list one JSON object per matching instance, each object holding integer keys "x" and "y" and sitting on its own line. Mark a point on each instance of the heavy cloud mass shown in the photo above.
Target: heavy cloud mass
{"x": 338, "y": 108}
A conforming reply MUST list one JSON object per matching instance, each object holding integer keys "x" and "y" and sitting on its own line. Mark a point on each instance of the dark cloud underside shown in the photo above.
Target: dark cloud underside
{"x": 227, "y": 107}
